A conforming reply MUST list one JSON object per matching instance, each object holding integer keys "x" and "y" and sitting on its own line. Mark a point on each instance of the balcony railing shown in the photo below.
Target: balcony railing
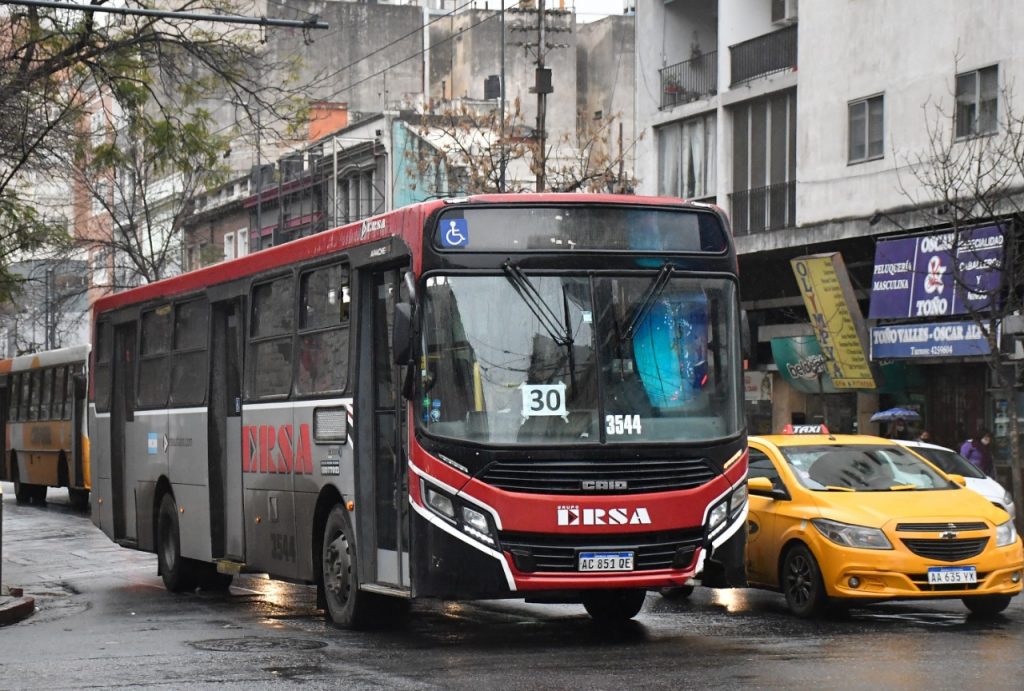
{"x": 774, "y": 52}
{"x": 689, "y": 81}
{"x": 763, "y": 208}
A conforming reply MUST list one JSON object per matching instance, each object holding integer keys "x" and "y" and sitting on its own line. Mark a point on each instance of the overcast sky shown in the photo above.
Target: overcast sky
{"x": 589, "y": 10}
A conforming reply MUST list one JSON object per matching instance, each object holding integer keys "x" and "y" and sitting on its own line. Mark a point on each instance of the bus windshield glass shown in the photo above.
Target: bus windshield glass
{"x": 542, "y": 359}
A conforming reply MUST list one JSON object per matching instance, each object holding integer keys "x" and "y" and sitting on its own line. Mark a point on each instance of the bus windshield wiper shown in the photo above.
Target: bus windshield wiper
{"x": 654, "y": 291}
{"x": 535, "y": 301}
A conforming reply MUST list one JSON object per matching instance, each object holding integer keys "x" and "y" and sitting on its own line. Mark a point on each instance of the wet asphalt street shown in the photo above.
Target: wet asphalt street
{"x": 103, "y": 620}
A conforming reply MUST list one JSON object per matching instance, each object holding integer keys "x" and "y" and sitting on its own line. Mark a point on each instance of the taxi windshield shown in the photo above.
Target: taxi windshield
{"x": 861, "y": 468}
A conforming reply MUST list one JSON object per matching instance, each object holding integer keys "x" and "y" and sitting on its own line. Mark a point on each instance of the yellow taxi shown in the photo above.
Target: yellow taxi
{"x": 857, "y": 518}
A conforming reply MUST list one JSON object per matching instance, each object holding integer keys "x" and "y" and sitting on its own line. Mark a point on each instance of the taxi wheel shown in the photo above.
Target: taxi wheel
{"x": 802, "y": 584}
{"x": 987, "y": 605}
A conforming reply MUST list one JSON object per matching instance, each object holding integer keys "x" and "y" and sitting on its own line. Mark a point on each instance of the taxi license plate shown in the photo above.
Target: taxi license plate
{"x": 952, "y": 575}
{"x": 606, "y": 561}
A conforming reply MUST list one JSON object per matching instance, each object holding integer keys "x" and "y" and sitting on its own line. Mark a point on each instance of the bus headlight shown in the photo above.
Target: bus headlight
{"x": 475, "y": 524}
{"x": 440, "y": 503}
{"x": 1006, "y": 534}
{"x": 739, "y": 497}
{"x": 469, "y": 520}
{"x": 717, "y": 515}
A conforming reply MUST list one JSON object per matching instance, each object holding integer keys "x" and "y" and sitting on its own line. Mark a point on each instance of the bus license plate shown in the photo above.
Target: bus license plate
{"x": 952, "y": 575}
{"x": 606, "y": 561}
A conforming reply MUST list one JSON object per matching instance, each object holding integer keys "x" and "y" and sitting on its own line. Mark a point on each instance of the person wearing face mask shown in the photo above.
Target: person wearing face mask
{"x": 979, "y": 452}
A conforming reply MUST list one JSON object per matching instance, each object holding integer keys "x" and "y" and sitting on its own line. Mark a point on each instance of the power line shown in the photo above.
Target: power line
{"x": 312, "y": 23}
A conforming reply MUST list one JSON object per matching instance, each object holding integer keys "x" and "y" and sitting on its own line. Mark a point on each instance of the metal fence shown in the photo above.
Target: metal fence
{"x": 690, "y": 80}
{"x": 763, "y": 208}
{"x": 774, "y": 52}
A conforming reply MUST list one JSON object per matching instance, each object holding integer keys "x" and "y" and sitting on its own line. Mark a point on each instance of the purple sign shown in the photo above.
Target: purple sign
{"x": 937, "y": 275}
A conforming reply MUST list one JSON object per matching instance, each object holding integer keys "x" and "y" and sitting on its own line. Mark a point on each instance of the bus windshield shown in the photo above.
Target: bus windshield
{"x": 543, "y": 359}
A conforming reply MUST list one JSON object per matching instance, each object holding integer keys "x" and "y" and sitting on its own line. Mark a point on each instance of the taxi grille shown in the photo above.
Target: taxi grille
{"x": 939, "y": 527}
{"x": 947, "y": 550}
{"x": 661, "y": 550}
{"x": 567, "y": 477}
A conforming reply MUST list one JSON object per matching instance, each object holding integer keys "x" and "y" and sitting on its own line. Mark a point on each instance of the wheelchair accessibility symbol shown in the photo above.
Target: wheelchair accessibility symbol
{"x": 454, "y": 233}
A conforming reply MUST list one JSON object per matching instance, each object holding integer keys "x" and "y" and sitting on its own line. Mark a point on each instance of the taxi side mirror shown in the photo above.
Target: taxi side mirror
{"x": 763, "y": 487}
{"x": 958, "y": 479}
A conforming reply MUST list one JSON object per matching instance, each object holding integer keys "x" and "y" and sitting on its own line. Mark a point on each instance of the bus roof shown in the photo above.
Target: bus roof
{"x": 46, "y": 358}
{"x": 392, "y": 223}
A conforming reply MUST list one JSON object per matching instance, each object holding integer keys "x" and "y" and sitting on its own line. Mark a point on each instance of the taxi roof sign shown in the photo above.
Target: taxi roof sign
{"x": 805, "y": 429}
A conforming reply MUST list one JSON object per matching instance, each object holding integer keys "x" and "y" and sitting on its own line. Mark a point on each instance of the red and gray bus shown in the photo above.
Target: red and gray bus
{"x": 43, "y": 424}
{"x": 503, "y": 396}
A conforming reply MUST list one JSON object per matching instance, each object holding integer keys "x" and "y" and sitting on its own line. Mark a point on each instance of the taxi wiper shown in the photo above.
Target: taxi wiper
{"x": 901, "y": 488}
{"x": 654, "y": 291}
{"x": 837, "y": 488}
{"x": 529, "y": 294}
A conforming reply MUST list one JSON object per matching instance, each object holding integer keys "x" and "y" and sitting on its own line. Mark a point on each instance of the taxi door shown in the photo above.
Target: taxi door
{"x": 762, "y": 533}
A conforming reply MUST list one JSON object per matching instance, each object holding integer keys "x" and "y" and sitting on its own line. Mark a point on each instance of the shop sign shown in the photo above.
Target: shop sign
{"x": 801, "y": 363}
{"x": 835, "y": 318}
{"x": 937, "y": 275}
{"x": 757, "y": 386}
{"x": 946, "y": 339}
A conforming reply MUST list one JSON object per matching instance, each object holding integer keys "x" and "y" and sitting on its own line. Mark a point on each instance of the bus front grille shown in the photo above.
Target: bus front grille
{"x": 536, "y": 552}
{"x": 598, "y": 477}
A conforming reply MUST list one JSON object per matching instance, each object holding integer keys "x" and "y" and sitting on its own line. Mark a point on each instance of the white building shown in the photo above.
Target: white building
{"x": 806, "y": 123}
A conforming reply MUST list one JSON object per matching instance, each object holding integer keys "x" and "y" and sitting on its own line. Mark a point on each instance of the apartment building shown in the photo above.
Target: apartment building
{"x": 811, "y": 125}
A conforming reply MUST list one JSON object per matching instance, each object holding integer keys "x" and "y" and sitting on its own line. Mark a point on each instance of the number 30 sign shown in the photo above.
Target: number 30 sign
{"x": 543, "y": 399}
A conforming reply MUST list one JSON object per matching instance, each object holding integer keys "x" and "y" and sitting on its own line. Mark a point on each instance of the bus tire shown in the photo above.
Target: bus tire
{"x": 174, "y": 569}
{"x": 614, "y": 605}
{"x": 79, "y": 499}
{"x": 346, "y": 606}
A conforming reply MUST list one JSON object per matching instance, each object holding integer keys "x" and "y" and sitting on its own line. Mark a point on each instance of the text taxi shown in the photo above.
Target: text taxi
{"x": 861, "y": 518}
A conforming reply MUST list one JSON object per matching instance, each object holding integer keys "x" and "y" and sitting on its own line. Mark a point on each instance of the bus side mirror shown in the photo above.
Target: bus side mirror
{"x": 402, "y": 333}
{"x": 78, "y": 381}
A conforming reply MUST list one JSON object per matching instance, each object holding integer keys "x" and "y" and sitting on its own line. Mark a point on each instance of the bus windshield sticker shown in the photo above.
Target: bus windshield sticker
{"x": 544, "y": 400}
{"x": 454, "y": 233}
{"x": 622, "y": 424}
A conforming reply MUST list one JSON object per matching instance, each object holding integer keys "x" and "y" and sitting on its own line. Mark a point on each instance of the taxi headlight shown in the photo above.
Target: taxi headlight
{"x": 852, "y": 535}
{"x": 1006, "y": 534}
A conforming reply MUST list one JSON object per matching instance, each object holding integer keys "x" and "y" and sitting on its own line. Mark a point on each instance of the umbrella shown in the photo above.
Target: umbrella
{"x": 894, "y": 414}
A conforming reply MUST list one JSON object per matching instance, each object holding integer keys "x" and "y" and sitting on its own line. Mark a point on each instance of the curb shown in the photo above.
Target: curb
{"x": 14, "y": 609}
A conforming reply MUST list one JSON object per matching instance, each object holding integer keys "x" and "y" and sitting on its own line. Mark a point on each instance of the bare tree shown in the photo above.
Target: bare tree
{"x": 54, "y": 63}
{"x": 965, "y": 179}
{"x": 467, "y": 148}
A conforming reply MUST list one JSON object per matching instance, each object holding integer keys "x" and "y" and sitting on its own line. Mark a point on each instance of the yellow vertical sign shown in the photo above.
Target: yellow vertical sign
{"x": 836, "y": 318}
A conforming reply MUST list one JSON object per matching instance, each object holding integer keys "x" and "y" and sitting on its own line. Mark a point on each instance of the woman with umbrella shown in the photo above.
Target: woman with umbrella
{"x": 897, "y": 417}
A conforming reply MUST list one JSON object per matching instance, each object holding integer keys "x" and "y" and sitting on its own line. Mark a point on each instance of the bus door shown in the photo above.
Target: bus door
{"x": 122, "y": 411}
{"x": 382, "y": 477}
{"x": 227, "y": 534}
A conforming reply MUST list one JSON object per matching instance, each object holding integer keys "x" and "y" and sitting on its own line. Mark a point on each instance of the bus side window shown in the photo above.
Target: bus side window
{"x": 46, "y": 394}
{"x": 154, "y": 360}
{"x": 190, "y": 368}
{"x": 270, "y": 338}
{"x": 322, "y": 362}
{"x": 15, "y": 398}
{"x": 36, "y": 391}
{"x": 101, "y": 372}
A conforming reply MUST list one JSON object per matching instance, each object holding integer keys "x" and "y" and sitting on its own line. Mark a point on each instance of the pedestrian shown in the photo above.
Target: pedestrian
{"x": 924, "y": 436}
{"x": 978, "y": 451}
{"x": 900, "y": 430}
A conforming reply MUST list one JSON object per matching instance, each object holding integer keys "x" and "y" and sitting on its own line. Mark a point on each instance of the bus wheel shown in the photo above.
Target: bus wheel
{"x": 22, "y": 492}
{"x": 677, "y": 592}
{"x": 79, "y": 499}
{"x": 173, "y": 568}
{"x": 614, "y": 605}
{"x": 347, "y": 607}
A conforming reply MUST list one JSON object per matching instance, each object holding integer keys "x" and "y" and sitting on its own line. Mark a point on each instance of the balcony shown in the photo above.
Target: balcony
{"x": 764, "y": 55}
{"x": 689, "y": 81}
{"x": 763, "y": 208}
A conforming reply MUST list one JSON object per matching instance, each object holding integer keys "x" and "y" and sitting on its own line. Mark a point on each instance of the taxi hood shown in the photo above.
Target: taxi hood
{"x": 876, "y": 509}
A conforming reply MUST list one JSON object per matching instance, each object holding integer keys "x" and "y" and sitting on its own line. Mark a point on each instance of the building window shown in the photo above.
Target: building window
{"x": 242, "y": 242}
{"x": 866, "y": 129}
{"x": 98, "y": 127}
{"x": 229, "y": 245}
{"x": 977, "y": 98}
{"x": 687, "y": 153}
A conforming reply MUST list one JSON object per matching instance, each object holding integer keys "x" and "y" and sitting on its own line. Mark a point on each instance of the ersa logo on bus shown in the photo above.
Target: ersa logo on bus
{"x": 572, "y": 515}
{"x": 269, "y": 449}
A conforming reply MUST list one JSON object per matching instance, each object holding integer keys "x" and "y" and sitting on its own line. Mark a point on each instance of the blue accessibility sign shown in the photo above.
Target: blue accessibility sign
{"x": 454, "y": 233}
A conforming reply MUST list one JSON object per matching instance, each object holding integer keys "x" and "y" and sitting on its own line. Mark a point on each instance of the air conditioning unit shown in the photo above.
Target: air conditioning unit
{"x": 784, "y": 12}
